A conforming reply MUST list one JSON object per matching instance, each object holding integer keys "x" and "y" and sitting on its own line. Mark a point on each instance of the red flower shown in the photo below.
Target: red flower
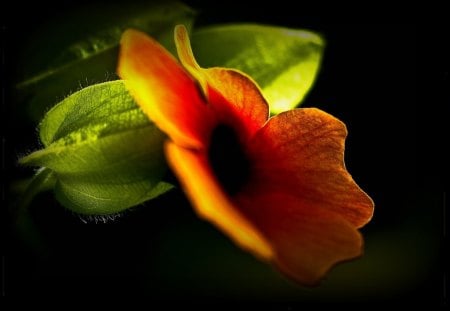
{"x": 277, "y": 187}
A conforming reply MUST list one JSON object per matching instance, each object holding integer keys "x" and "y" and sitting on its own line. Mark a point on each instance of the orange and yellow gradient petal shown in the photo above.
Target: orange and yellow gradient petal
{"x": 211, "y": 202}
{"x": 164, "y": 90}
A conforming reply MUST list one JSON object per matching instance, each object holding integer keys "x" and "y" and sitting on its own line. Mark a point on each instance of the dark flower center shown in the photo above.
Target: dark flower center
{"x": 228, "y": 159}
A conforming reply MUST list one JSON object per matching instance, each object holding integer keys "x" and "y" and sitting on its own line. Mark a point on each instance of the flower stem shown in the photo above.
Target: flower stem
{"x": 43, "y": 180}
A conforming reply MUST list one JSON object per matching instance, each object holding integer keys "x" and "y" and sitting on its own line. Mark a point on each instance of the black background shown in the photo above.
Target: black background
{"x": 384, "y": 73}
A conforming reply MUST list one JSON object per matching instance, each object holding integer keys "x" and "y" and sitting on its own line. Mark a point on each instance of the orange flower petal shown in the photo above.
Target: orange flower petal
{"x": 306, "y": 241}
{"x": 233, "y": 94}
{"x": 233, "y": 91}
{"x": 164, "y": 91}
{"x": 301, "y": 152}
{"x": 193, "y": 171}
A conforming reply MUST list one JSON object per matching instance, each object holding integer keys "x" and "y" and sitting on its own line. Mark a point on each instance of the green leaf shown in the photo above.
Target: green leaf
{"x": 284, "y": 62}
{"x": 105, "y": 153}
{"x": 94, "y": 58}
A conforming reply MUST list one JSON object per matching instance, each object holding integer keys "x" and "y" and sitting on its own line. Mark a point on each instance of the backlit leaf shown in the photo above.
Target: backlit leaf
{"x": 283, "y": 61}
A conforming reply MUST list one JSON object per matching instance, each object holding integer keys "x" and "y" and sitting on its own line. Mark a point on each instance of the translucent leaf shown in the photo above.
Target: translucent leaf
{"x": 283, "y": 61}
{"x": 94, "y": 58}
{"x": 105, "y": 153}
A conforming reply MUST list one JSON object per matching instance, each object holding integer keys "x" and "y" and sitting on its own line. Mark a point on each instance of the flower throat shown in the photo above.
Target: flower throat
{"x": 228, "y": 159}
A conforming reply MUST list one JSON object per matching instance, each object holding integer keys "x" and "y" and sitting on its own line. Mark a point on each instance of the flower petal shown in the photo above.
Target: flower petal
{"x": 233, "y": 91}
{"x": 306, "y": 241}
{"x": 210, "y": 201}
{"x": 233, "y": 94}
{"x": 164, "y": 90}
{"x": 301, "y": 152}
{"x": 187, "y": 59}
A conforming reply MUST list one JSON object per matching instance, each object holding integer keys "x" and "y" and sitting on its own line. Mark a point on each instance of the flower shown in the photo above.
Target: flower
{"x": 277, "y": 187}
